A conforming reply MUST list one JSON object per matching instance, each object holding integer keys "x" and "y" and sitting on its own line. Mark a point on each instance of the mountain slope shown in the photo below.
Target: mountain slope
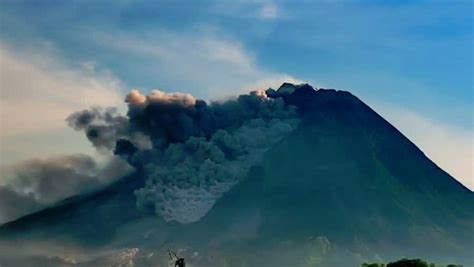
{"x": 349, "y": 176}
{"x": 89, "y": 219}
{"x": 344, "y": 187}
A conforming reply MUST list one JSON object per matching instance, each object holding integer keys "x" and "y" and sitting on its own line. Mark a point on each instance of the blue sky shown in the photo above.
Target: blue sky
{"x": 410, "y": 60}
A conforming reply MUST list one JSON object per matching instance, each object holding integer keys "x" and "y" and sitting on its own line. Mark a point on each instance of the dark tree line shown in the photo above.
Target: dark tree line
{"x": 406, "y": 263}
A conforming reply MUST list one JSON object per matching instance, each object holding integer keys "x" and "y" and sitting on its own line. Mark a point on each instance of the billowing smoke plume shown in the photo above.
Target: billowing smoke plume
{"x": 102, "y": 126}
{"x": 34, "y": 184}
{"x": 192, "y": 152}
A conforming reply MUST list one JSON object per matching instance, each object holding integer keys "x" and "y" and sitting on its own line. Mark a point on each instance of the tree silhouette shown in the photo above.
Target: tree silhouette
{"x": 408, "y": 263}
{"x": 373, "y": 265}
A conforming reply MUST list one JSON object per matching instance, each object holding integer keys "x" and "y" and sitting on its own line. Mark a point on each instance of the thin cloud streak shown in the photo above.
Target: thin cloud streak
{"x": 206, "y": 64}
{"x": 450, "y": 147}
{"x": 38, "y": 92}
{"x": 269, "y": 11}
{"x": 42, "y": 86}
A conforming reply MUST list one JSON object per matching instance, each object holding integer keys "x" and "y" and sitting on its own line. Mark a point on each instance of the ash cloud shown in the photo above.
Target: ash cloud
{"x": 14, "y": 205}
{"x": 102, "y": 126}
{"x": 191, "y": 151}
{"x": 37, "y": 183}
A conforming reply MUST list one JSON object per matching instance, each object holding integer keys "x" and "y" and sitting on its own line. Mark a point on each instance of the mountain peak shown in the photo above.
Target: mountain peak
{"x": 290, "y": 88}
{"x": 309, "y": 99}
{"x": 341, "y": 180}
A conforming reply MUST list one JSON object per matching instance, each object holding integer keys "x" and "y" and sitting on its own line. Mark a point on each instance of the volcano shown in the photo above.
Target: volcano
{"x": 342, "y": 188}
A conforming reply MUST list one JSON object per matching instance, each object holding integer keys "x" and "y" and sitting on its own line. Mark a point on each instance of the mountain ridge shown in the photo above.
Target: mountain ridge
{"x": 345, "y": 178}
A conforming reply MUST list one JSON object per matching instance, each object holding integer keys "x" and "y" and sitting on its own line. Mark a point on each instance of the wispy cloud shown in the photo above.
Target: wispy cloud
{"x": 269, "y": 11}
{"x": 450, "y": 147}
{"x": 37, "y": 183}
{"x": 38, "y": 92}
{"x": 207, "y": 64}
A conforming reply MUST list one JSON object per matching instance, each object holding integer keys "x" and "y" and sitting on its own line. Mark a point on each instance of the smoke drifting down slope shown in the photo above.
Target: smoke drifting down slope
{"x": 38, "y": 183}
{"x": 345, "y": 187}
{"x": 191, "y": 152}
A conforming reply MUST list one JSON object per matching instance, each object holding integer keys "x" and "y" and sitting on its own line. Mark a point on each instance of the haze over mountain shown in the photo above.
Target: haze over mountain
{"x": 287, "y": 177}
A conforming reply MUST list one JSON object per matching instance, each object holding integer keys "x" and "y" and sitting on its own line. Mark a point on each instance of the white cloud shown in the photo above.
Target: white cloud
{"x": 36, "y": 95}
{"x": 209, "y": 66}
{"x": 450, "y": 147}
{"x": 269, "y": 11}
{"x": 38, "y": 92}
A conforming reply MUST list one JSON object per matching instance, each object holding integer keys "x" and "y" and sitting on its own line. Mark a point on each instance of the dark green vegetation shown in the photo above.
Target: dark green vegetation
{"x": 408, "y": 263}
{"x": 344, "y": 188}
